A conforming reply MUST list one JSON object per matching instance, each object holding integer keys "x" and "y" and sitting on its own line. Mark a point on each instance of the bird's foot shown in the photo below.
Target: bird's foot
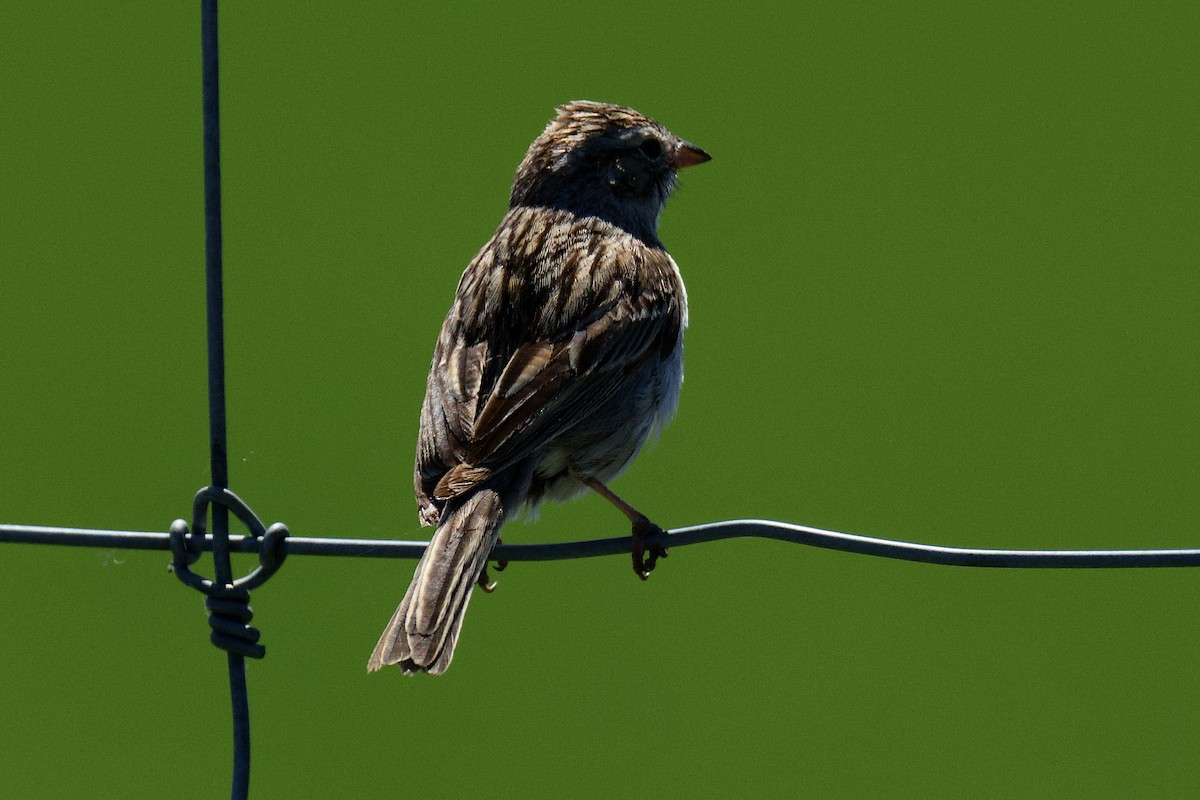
{"x": 644, "y": 560}
{"x": 501, "y": 564}
{"x": 485, "y": 581}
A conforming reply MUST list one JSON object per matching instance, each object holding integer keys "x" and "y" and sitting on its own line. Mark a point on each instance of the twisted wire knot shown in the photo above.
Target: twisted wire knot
{"x": 228, "y": 604}
{"x": 229, "y": 615}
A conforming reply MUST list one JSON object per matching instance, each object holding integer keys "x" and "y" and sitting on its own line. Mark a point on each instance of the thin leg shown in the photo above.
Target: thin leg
{"x": 485, "y": 580}
{"x": 642, "y": 528}
{"x": 501, "y": 564}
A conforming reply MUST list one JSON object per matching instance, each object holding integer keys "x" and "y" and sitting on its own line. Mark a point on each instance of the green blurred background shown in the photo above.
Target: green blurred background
{"x": 943, "y": 281}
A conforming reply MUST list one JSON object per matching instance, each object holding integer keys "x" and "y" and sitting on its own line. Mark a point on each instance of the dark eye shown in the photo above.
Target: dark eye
{"x": 651, "y": 148}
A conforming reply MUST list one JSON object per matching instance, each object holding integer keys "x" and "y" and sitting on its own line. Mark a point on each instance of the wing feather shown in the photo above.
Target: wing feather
{"x": 510, "y": 376}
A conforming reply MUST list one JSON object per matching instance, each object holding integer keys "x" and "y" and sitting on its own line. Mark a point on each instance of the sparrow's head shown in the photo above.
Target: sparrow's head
{"x": 596, "y": 159}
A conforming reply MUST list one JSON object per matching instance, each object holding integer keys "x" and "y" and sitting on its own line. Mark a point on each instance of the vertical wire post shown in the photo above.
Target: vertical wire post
{"x": 216, "y": 379}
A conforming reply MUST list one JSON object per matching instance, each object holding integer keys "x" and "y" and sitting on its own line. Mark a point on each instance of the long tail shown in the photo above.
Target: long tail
{"x": 424, "y": 629}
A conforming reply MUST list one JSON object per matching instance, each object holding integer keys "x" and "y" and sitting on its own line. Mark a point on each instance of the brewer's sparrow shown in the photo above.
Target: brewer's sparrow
{"x": 561, "y": 355}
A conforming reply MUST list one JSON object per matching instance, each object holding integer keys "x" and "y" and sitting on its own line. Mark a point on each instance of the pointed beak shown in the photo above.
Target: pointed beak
{"x": 687, "y": 155}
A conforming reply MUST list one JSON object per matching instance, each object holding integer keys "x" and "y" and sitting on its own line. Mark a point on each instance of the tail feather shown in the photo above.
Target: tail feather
{"x": 422, "y": 633}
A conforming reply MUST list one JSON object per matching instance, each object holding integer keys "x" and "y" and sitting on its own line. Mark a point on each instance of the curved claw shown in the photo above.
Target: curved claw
{"x": 643, "y": 566}
{"x": 485, "y": 581}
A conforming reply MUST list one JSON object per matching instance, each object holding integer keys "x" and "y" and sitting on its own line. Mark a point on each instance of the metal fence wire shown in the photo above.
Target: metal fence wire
{"x": 227, "y": 598}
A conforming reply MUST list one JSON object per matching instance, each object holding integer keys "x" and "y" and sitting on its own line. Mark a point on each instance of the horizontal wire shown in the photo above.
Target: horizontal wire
{"x": 695, "y": 534}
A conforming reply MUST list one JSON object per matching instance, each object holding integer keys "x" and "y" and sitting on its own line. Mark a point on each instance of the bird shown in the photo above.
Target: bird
{"x": 560, "y": 356}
